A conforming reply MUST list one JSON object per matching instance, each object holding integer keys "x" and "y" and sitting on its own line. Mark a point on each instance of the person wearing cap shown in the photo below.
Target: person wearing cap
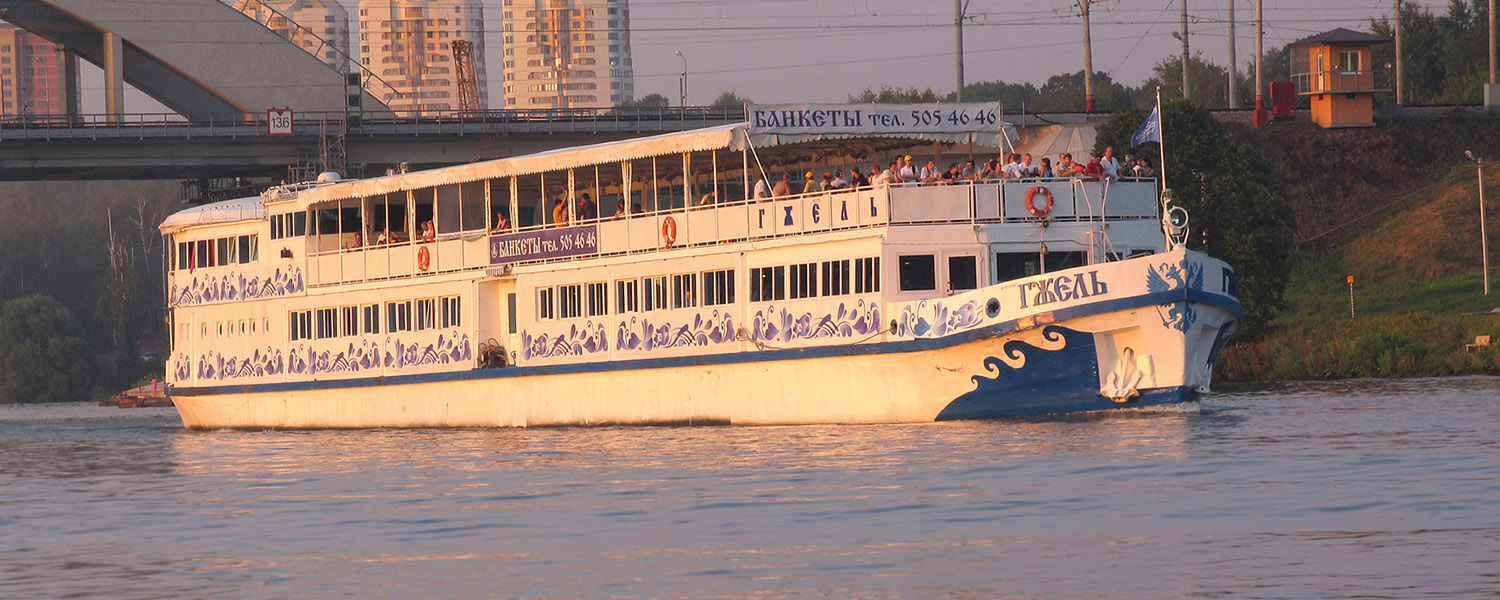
{"x": 827, "y": 183}
{"x": 811, "y": 185}
{"x": 838, "y": 182}
{"x": 907, "y": 172}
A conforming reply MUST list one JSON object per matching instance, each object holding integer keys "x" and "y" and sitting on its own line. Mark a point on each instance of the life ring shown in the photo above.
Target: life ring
{"x": 1046, "y": 209}
{"x": 424, "y": 259}
{"x": 669, "y": 231}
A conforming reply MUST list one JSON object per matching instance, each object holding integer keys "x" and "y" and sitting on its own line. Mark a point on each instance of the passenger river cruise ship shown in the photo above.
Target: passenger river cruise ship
{"x": 643, "y": 282}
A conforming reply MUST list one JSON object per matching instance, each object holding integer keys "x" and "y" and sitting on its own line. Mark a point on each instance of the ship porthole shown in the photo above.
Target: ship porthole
{"x": 992, "y": 308}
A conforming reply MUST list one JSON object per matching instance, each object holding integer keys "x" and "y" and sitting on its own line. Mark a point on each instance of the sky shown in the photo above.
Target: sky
{"x": 825, "y": 50}
{"x": 784, "y": 51}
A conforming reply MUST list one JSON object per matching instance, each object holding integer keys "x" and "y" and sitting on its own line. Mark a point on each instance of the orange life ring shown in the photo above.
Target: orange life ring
{"x": 1046, "y": 209}
{"x": 424, "y": 259}
{"x": 669, "y": 231}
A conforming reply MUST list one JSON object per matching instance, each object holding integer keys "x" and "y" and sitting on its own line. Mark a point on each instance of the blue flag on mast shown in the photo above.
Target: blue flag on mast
{"x": 1150, "y": 131}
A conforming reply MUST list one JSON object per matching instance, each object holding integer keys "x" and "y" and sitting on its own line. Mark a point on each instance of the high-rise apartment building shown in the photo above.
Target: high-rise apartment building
{"x": 320, "y": 27}
{"x": 33, "y": 81}
{"x": 567, "y": 53}
{"x": 408, "y": 45}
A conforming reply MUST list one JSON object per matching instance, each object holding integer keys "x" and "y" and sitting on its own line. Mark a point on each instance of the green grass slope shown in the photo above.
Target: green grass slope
{"x": 1399, "y": 212}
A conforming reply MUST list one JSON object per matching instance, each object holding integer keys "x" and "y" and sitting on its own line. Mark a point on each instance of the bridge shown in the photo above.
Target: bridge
{"x": 165, "y": 146}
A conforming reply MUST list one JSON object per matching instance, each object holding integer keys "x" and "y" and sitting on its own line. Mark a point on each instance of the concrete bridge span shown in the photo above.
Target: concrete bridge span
{"x": 201, "y": 58}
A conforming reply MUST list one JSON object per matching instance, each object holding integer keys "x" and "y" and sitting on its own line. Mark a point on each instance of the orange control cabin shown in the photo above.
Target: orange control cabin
{"x": 1333, "y": 70}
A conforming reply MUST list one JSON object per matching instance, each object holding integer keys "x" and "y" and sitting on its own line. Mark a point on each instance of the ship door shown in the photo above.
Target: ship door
{"x": 961, "y": 272}
{"x": 497, "y": 318}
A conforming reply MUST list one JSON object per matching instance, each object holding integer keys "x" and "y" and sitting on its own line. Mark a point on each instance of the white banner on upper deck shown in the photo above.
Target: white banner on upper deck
{"x": 958, "y": 123}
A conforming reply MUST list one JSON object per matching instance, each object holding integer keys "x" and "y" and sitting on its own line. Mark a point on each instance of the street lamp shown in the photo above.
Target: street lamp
{"x": 1483, "y": 241}
{"x": 682, "y": 83}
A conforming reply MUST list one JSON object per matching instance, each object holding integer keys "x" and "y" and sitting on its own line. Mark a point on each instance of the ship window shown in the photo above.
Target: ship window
{"x": 449, "y": 312}
{"x": 767, "y": 284}
{"x": 472, "y": 195}
{"x": 327, "y": 323}
{"x": 244, "y": 327}
{"x": 835, "y": 277}
{"x": 1015, "y": 265}
{"x": 372, "y": 318}
{"x": 221, "y": 329}
{"x": 249, "y": 249}
{"x": 682, "y": 291}
{"x": 918, "y": 272}
{"x": 866, "y": 275}
{"x": 184, "y": 255}
{"x": 349, "y": 317}
{"x": 718, "y": 287}
{"x": 598, "y": 296}
{"x": 398, "y": 316}
{"x": 449, "y": 210}
{"x": 544, "y": 303}
{"x": 300, "y": 325}
{"x": 626, "y": 298}
{"x": 654, "y": 293}
{"x": 426, "y": 314}
{"x": 203, "y": 330}
{"x": 202, "y": 253}
{"x": 510, "y": 302}
{"x": 423, "y": 206}
{"x": 569, "y": 301}
{"x": 963, "y": 273}
{"x": 804, "y": 280}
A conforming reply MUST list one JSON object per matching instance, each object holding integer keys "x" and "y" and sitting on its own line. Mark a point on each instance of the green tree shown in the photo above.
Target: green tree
{"x": 890, "y": 95}
{"x": 1220, "y": 182}
{"x": 1445, "y": 54}
{"x": 730, "y": 98}
{"x": 1210, "y": 82}
{"x": 647, "y": 101}
{"x": 1064, "y": 93}
{"x": 43, "y": 357}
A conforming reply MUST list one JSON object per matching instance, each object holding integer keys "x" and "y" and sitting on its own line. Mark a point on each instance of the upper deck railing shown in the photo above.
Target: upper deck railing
{"x": 331, "y": 262}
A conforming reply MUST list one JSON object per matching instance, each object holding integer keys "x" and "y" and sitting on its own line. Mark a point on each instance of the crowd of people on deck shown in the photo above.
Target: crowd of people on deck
{"x": 900, "y": 171}
{"x": 903, "y": 170}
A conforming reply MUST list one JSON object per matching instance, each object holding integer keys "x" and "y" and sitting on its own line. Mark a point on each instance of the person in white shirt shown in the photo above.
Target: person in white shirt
{"x": 1028, "y": 168}
{"x": 1012, "y": 168}
{"x": 907, "y": 172}
{"x": 930, "y": 173}
{"x": 1110, "y": 165}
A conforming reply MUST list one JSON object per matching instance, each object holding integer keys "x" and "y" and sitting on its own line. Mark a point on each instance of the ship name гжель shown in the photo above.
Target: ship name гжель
{"x": 450, "y": 297}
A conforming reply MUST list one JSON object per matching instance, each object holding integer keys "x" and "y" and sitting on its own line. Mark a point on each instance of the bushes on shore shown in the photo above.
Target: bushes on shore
{"x": 1388, "y": 345}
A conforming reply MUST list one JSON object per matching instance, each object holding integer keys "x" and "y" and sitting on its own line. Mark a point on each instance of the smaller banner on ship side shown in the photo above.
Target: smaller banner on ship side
{"x": 543, "y": 243}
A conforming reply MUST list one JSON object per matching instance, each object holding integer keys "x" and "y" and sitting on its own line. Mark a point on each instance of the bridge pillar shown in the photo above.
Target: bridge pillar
{"x": 70, "y": 82}
{"x": 114, "y": 75}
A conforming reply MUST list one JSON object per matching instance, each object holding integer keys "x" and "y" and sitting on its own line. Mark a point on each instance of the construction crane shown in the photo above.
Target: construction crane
{"x": 468, "y": 84}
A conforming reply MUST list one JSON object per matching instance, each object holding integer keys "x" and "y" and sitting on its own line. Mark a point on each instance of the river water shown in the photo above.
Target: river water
{"x": 1353, "y": 489}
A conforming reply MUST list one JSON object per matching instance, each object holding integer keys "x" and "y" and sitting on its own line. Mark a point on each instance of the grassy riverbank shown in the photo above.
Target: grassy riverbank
{"x": 1413, "y": 248}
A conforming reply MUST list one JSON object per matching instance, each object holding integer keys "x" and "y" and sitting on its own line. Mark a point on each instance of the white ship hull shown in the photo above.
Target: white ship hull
{"x": 1109, "y": 351}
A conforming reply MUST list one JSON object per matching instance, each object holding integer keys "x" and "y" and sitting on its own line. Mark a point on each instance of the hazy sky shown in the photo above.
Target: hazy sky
{"x": 824, "y": 50}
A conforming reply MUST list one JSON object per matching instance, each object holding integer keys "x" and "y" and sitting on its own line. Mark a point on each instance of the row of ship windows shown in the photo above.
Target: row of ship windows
{"x": 407, "y": 315}
{"x": 217, "y": 252}
{"x": 709, "y": 288}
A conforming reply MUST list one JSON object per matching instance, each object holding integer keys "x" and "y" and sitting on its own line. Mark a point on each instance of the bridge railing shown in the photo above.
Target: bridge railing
{"x": 235, "y": 125}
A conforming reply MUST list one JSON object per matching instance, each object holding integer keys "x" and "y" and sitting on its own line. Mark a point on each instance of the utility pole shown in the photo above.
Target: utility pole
{"x": 1260, "y": 84}
{"x": 958, "y": 36}
{"x": 1187, "y": 90}
{"x": 1234, "y": 83}
{"x": 1492, "y": 42}
{"x": 1400, "y": 99}
{"x": 1088, "y": 59}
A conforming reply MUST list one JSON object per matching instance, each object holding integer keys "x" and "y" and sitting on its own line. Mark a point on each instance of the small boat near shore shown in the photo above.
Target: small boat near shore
{"x": 644, "y": 281}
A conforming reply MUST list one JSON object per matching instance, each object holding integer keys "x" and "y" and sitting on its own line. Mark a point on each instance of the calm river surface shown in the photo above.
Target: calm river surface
{"x": 1354, "y": 489}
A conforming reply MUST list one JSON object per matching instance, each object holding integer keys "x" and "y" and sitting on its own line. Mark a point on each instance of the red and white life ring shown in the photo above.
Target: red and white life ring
{"x": 1045, "y": 209}
{"x": 668, "y": 231}
{"x": 424, "y": 259}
